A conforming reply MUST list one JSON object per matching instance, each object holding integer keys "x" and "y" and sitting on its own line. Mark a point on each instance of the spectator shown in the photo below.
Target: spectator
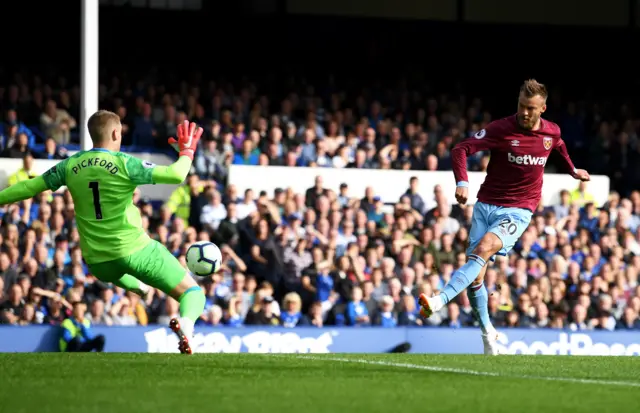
{"x": 12, "y": 121}
{"x": 246, "y": 155}
{"x": 8, "y": 138}
{"x": 52, "y": 150}
{"x": 414, "y": 197}
{"x": 57, "y": 123}
{"x": 179, "y": 202}
{"x": 214, "y": 212}
{"x": 247, "y": 206}
{"x": 144, "y": 130}
{"x": 210, "y": 163}
{"x": 386, "y": 316}
{"x": 77, "y": 334}
{"x": 97, "y": 314}
{"x": 580, "y": 195}
{"x": 18, "y": 147}
{"x": 291, "y": 315}
{"x": 264, "y": 315}
{"x": 351, "y": 259}
{"x": 357, "y": 312}
{"x": 25, "y": 173}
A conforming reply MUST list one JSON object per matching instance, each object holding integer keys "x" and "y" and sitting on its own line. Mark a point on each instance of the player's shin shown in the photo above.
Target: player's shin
{"x": 479, "y": 298}
{"x": 192, "y": 304}
{"x": 462, "y": 278}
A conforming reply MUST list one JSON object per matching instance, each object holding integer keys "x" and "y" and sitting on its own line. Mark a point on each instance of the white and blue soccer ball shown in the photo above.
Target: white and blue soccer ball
{"x": 204, "y": 258}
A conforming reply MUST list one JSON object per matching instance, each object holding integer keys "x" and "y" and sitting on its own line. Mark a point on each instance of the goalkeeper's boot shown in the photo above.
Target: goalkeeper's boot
{"x": 183, "y": 336}
{"x": 429, "y": 305}
{"x": 490, "y": 342}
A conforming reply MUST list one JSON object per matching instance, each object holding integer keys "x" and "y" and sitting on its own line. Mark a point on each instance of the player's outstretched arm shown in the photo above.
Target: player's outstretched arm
{"x": 174, "y": 173}
{"x": 580, "y": 174}
{"x": 23, "y": 190}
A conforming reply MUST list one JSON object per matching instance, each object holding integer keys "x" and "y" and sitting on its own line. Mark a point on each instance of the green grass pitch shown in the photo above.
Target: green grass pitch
{"x": 389, "y": 383}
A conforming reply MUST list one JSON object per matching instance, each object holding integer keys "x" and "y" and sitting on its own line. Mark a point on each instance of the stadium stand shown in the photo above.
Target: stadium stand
{"x": 327, "y": 256}
{"x": 325, "y": 253}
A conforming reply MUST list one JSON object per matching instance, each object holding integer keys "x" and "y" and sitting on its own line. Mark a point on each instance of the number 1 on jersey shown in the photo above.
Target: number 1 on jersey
{"x": 95, "y": 188}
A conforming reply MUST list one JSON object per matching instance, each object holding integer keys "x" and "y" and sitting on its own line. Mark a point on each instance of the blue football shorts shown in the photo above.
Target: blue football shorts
{"x": 507, "y": 223}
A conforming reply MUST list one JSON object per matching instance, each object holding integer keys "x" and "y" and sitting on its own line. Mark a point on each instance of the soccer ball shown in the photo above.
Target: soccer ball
{"x": 204, "y": 258}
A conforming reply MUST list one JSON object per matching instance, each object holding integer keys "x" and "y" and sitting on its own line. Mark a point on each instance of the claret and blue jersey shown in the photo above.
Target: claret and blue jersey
{"x": 516, "y": 167}
{"x": 513, "y": 186}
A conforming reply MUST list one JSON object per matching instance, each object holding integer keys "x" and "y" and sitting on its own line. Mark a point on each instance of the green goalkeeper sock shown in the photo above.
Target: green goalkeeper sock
{"x": 130, "y": 283}
{"x": 192, "y": 303}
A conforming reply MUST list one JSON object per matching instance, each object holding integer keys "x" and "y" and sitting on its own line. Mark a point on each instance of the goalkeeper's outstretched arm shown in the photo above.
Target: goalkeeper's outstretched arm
{"x": 23, "y": 190}
{"x": 171, "y": 174}
{"x": 174, "y": 173}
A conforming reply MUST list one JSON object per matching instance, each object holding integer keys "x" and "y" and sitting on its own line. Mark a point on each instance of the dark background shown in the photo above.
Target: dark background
{"x": 229, "y": 40}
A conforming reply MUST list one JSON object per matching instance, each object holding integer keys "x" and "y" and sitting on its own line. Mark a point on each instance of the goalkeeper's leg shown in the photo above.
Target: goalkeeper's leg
{"x": 155, "y": 266}
{"x": 187, "y": 293}
{"x": 131, "y": 283}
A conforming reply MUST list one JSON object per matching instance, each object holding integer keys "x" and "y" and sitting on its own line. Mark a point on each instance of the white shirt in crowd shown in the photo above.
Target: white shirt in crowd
{"x": 244, "y": 210}
{"x": 213, "y": 214}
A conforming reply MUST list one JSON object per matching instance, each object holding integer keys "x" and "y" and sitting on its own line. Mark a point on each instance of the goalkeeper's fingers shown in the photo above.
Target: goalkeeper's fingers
{"x": 174, "y": 144}
{"x": 198, "y": 133}
{"x": 192, "y": 129}
{"x": 182, "y": 130}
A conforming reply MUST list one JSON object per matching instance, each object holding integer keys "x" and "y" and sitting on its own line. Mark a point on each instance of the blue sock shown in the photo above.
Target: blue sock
{"x": 462, "y": 278}
{"x": 479, "y": 298}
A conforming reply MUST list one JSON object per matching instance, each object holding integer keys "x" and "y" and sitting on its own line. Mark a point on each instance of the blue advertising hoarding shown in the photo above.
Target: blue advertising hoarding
{"x": 158, "y": 339}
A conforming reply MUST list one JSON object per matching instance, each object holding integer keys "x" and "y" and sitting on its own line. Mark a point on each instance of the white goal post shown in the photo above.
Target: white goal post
{"x": 89, "y": 68}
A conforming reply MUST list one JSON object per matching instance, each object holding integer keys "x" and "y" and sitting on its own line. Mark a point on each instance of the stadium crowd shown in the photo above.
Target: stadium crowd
{"x": 327, "y": 256}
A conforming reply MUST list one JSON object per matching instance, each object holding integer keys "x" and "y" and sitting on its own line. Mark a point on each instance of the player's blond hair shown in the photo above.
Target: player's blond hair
{"x": 532, "y": 87}
{"x": 101, "y": 124}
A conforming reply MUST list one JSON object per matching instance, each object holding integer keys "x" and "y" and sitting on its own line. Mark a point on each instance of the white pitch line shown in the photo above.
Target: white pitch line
{"x": 473, "y": 372}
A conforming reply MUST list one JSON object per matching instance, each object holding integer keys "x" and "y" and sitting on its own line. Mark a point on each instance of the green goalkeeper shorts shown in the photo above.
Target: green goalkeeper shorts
{"x": 154, "y": 265}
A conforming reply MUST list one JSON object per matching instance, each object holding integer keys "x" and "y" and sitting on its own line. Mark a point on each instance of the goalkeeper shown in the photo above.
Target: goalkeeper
{"x": 113, "y": 243}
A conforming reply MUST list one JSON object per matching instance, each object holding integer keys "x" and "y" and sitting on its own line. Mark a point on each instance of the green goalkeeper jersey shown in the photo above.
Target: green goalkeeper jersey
{"x": 101, "y": 184}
